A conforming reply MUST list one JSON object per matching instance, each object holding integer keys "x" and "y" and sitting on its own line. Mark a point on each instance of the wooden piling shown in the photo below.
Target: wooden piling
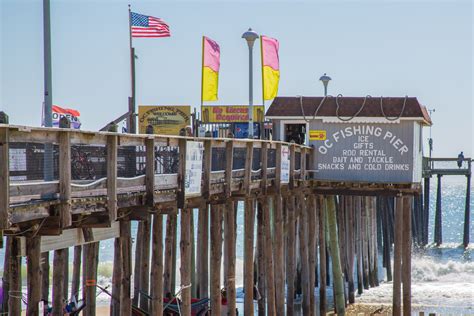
{"x": 358, "y": 242}
{"x": 33, "y": 275}
{"x": 144, "y": 274}
{"x": 438, "y": 234}
{"x": 203, "y": 251}
{"x": 138, "y": 262}
{"x": 185, "y": 269}
{"x": 269, "y": 272}
{"x": 117, "y": 276}
{"x": 249, "y": 219}
{"x": 397, "y": 257}
{"x": 156, "y": 274}
{"x": 91, "y": 259}
{"x": 406, "y": 249}
{"x": 364, "y": 243}
{"x": 229, "y": 238}
{"x": 303, "y": 247}
{"x": 278, "y": 254}
{"x": 169, "y": 253}
{"x": 387, "y": 242}
{"x": 44, "y": 276}
{"x": 76, "y": 273}
{"x": 339, "y": 300}
{"x": 215, "y": 263}
{"x": 125, "y": 290}
{"x": 290, "y": 255}
{"x": 350, "y": 247}
{"x": 58, "y": 281}
{"x": 4, "y": 177}
{"x": 322, "y": 257}
{"x": 426, "y": 209}
{"x": 14, "y": 273}
{"x": 261, "y": 260}
{"x": 311, "y": 233}
{"x": 467, "y": 212}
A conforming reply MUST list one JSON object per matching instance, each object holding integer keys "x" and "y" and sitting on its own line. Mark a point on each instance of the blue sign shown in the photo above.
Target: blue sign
{"x": 241, "y": 130}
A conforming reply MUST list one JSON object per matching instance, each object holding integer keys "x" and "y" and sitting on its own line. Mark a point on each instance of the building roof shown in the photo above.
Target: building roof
{"x": 299, "y": 107}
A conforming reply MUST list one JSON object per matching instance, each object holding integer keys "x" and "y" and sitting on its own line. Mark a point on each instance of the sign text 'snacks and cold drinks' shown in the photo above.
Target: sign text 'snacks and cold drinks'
{"x": 165, "y": 119}
{"x": 365, "y": 152}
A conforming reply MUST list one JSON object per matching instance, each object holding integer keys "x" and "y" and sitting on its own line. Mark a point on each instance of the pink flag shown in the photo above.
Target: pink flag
{"x": 212, "y": 54}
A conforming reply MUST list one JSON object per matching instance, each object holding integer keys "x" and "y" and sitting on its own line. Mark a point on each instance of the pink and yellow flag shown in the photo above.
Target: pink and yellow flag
{"x": 270, "y": 67}
{"x": 210, "y": 69}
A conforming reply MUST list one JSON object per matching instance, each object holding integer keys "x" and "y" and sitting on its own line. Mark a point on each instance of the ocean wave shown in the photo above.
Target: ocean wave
{"x": 428, "y": 270}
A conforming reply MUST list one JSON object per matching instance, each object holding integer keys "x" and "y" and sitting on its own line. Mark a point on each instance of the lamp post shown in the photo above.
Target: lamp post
{"x": 48, "y": 94}
{"x": 325, "y": 79}
{"x": 250, "y": 36}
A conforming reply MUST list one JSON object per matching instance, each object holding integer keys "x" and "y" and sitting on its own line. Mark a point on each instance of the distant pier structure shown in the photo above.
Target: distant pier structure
{"x": 336, "y": 186}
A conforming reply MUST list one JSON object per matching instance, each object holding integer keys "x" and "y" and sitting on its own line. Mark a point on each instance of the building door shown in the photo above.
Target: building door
{"x": 295, "y": 132}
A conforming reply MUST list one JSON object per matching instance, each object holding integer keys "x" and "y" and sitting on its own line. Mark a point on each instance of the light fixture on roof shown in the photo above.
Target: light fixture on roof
{"x": 325, "y": 79}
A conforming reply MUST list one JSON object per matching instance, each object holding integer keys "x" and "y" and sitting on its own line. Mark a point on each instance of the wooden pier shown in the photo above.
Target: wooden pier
{"x": 145, "y": 178}
{"x": 431, "y": 168}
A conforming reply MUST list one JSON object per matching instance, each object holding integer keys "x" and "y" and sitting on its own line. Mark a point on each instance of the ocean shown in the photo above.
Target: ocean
{"x": 442, "y": 277}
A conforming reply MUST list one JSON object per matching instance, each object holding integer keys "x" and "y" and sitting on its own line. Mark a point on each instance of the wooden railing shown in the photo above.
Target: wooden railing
{"x": 22, "y": 201}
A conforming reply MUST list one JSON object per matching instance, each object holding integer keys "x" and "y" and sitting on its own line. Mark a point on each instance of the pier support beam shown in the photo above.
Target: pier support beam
{"x": 322, "y": 256}
{"x": 426, "y": 210}
{"x": 467, "y": 212}
{"x": 397, "y": 257}
{"x": 269, "y": 272}
{"x": 203, "y": 252}
{"x": 216, "y": 256}
{"x": 438, "y": 234}
{"x": 229, "y": 236}
{"x": 14, "y": 273}
{"x": 34, "y": 275}
{"x": 406, "y": 266}
{"x": 91, "y": 259}
{"x": 291, "y": 255}
{"x": 156, "y": 289}
{"x": 58, "y": 281}
{"x": 249, "y": 219}
{"x": 125, "y": 291}
{"x": 185, "y": 270}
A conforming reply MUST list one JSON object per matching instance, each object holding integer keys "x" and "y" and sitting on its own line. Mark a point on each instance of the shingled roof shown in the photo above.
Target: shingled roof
{"x": 348, "y": 106}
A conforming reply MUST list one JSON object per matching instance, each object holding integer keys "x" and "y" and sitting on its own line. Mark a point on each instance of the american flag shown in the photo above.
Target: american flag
{"x": 148, "y": 26}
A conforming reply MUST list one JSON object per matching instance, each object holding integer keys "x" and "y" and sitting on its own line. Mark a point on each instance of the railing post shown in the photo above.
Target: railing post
{"x": 264, "y": 167}
{"x": 181, "y": 173}
{"x": 278, "y": 168}
{"x": 248, "y": 168}
{"x": 65, "y": 179}
{"x": 112, "y": 177}
{"x": 206, "y": 183}
{"x": 4, "y": 178}
{"x": 150, "y": 171}
{"x": 229, "y": 161}
{"x": 292, "y": 166}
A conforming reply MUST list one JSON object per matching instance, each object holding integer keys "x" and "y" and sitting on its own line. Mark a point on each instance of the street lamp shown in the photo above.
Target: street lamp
{"x": 325, "y": 79}
{"x": 250, "y": 36}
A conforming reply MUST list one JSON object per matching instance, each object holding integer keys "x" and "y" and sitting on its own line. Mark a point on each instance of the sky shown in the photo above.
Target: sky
{"x": 381, "y": 48}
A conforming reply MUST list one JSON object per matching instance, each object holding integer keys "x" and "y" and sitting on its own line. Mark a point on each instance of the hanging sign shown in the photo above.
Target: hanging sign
{"x": 285, "y": 164}
{"x": 193, "y": 174}
{"x": 231, "y": 113}
{"x": 165, "y": 119}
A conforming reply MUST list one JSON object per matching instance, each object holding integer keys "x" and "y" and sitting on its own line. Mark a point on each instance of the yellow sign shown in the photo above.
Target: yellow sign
{"x": 165, "y": 119}
{"x": 231, "y": 113}
{"x": 317, "y": 135}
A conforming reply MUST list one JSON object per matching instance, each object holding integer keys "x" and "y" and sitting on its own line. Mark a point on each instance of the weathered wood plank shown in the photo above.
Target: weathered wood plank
{"x": 4, "y": 177}
{"x": 125, "y": 291}
{"x": 249, "y": 219}
{"x": 268, "y": 252}
{"x": 207, "y": 161}
{"x": 248, "y": 168}
{"x": 144, "y": 274}
{"x": 406, "y": 254}
{"x": 34, "y": 276}
{"x": 112, "y": 177}
{"x": 291, "y": 255}
{"x": 156, "y": 290}
{"x": 216, "y": 254}
{"x": 91, "y": 259}
{"x": 322, "y": 257}
{"x": 292, "y": 166}
{"x": 229, "y": 237}
{"x": 229, "y": 153}
{"x": 278, "y": 253}
{"x": 185, "y": 269}
{"x": 65, "y": 179}
{"x": 14, "y": 274}
{"x": 397, "y": 257}
{"x": 58, "y": 281}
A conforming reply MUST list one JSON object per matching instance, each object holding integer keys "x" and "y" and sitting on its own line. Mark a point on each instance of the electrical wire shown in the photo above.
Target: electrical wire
{"x": 356, "y": 114}
{"x": 395, "y": 118}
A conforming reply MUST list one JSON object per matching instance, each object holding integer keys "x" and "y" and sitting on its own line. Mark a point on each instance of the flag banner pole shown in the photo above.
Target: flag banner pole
{"x": 202, "y": 74}
{"x": 131, "y": 104}
{"x": 263, "y": 84}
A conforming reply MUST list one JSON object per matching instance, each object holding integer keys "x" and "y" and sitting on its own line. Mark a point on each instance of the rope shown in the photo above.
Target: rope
{"x": 356, "y": 114}
{"x": 317, "y": 109}
{"x": 396, "y": 117}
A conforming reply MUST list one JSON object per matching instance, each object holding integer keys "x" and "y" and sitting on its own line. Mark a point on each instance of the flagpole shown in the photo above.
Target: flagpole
{"x": 202, "y": 74}
{"x": 131, "y": 126}
{"x": 263, "y": 83}
{"x": 48, "y": 93}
